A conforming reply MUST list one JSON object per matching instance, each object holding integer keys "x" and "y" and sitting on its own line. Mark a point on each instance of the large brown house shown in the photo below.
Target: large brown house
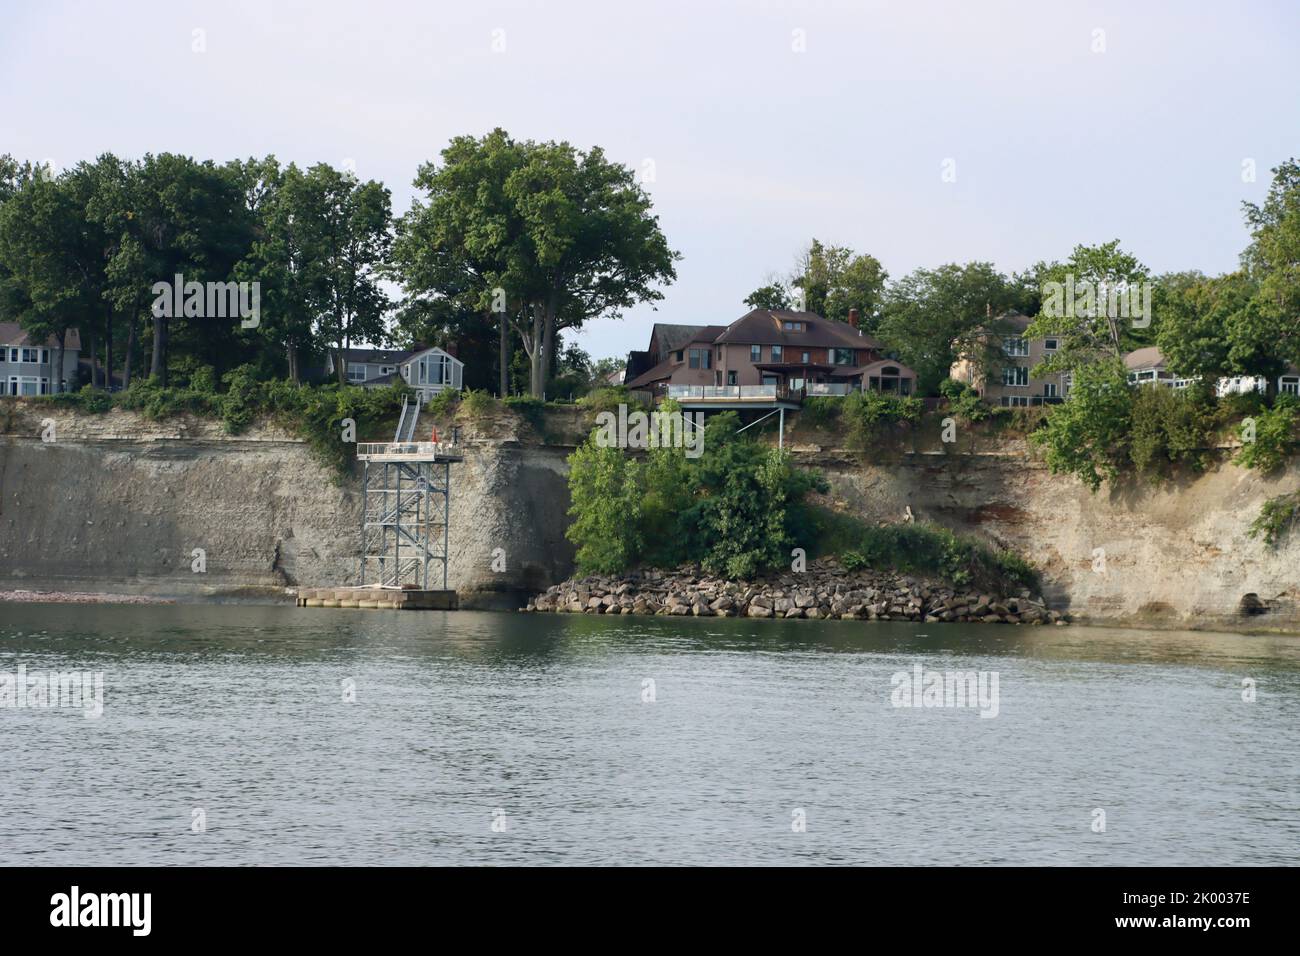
{"x": 798, "y": 352}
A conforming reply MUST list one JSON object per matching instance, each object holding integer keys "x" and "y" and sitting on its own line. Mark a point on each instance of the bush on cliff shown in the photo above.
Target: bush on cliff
{"x": 731, "y": 508}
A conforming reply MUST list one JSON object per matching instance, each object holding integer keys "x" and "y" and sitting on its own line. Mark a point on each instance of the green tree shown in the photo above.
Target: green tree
{"x": 1269, "y": 336}
{"x": 932, "y": 316}
{"x": 1087, "y": 436}
{"x": 1077, "y": 307}
{"x": 774, "y": 295}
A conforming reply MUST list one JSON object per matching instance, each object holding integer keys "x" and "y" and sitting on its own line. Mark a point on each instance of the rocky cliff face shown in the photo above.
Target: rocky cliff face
{"x": 1171, "y": 556}
{"x": 117, "y": 503}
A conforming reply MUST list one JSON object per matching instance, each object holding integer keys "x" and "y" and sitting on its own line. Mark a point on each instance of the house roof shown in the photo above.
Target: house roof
{"x": 377, "y": 356}
{"x": 382, "y": 379}
{"x": 766, "y": 327}
{"x": 11, "y": 333}
{"x": 418, "y": 352}
{"x": 1149, "y": 357}
{"x": 657, "y": 374}
{"x": 672, "y": 337}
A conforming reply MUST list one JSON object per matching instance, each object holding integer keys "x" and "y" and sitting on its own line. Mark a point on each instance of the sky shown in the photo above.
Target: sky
{"x": 919, "y": 132}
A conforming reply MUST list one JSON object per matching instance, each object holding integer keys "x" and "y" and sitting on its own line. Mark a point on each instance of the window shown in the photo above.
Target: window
{"x": 1015, "y": 376}
{"x": 793, "y": 326}
{"x": 356, "y": 372}
{"x": 13, "y": 357}
{"x": 1015, "y": 345}
{"x": 1015, "y": 401}
{"x": 805, "y": 358}
{"x": 45, "y": 356}
{"x": 1049, "y": 390}
{"x": 755, "y": 353}
{"x": 386, "y": 370}
{"x": 679, "y": 355}
{"x": 777, "y": 352}
{"x": 719, "y": 353}
{"x": 842, "y": 357}
{"x": 1049, "y": 345}
{"x": 700, "y": 358}
{"x": 1289, "y": 385}
{"x": 731, "y": 378}
{"x": 31, "y": 356}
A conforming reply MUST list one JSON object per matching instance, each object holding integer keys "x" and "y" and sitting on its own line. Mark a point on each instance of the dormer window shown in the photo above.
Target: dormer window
{"x": 791, "y": 326}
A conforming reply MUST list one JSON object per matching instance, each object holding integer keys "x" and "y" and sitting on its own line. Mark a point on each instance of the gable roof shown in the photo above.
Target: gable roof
{"x": 11, "y": 333}
{"x": 376, "y": 356}
{"x": 659, "y": 373}
{"x": 1149, "y": 357}
{"x": 672, "y": 337}
{"x": 766, "y": 327}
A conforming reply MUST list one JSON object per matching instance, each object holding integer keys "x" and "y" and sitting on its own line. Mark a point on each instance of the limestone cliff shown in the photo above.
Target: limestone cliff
{"x": 118, "y": 503}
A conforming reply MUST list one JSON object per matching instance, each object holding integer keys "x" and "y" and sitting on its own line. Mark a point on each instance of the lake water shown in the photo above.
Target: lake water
{"x": 242, "y": 735}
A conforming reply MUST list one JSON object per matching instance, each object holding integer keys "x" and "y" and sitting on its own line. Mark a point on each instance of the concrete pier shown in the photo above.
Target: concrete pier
{"x": 392, "y": 599}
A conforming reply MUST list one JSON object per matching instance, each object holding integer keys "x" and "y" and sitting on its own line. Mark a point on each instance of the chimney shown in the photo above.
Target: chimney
{"x": 853, "y": 317}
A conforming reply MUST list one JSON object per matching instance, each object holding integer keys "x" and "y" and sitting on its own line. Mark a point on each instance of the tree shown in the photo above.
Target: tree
{"x": 932, "y": 316}
{"x": 590, "y": 246}
{"x": 1097, "y": 304}
{"x": 342, "y": 235}
{"x": 774, "y": 295}
{"x": 831, "y": 280}
{"x": 54, "y": 259}
{"x": 454, "y": 251}
{"x": 1087, "y": 435}
{"x": 1194, "y": 322}
{"x": 1268, "y": 335}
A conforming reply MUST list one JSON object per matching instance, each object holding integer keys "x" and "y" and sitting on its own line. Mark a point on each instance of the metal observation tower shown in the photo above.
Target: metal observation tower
{"x": 406, "y": 490}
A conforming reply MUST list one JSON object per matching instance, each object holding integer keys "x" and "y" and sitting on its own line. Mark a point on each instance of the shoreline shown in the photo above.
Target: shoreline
{"x": 825, "y": 591}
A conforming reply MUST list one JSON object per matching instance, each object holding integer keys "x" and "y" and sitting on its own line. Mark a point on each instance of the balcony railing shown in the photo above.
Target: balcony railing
{"x": 398, "y": 450}
{"x": 727, "y": 392}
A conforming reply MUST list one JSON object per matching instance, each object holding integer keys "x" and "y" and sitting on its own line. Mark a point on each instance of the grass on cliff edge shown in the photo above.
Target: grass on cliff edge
{"x": 923, "y": 549}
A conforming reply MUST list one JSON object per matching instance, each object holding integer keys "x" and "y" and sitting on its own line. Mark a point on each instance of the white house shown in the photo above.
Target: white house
{"x": 1146, "y": 366}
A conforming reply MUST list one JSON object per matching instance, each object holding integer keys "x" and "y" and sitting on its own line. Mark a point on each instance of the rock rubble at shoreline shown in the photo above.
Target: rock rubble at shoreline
{"x": 824, "y": 591}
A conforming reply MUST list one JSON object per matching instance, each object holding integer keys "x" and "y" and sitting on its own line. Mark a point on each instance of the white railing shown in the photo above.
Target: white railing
{"x": 405, "y": 449}
{"x": 827, "y": 388}
{"x": 722, "y": 391}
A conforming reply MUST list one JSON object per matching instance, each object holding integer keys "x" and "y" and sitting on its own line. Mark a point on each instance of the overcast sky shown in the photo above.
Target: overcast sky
{"x": 756, "y": 145}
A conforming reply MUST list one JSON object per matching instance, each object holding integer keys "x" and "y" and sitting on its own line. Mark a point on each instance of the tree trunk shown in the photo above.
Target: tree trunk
{"x": 108, "y": 352}
{"x": 504, "y": 357}
{"x": 130, "y": 349}
{"x": 56, "y": 373}
{"x": 537, "y": 356}
{"x": 291, "y": 352}
{"x": 341, "y": 363}
{"x": 94, "y": 356}
{"x": 158, "y": 367}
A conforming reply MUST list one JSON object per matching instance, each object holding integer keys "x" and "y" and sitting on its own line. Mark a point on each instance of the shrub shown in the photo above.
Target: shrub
{"x": 820, "y": 410}
{"x": 732, "y": 509}
{"x": 443, "y": 403}
{"x": 477, "y": 404}
{"x": 1276, "y": 518}
{"x": 1273, "y": 440}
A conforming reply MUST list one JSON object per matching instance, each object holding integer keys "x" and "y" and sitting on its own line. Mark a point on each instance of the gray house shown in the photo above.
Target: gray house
{"x": 428, "y": 371}
{"x": 28, "y": 367}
